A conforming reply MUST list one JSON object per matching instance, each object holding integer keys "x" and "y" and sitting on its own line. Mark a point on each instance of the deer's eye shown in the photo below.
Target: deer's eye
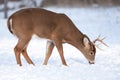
{"x": 92, "y": 53}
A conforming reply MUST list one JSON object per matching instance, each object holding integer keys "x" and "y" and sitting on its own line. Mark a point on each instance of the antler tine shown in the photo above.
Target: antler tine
{"x": 99, "y": 35}
{"x": 98, "y": 47}
{"x": 103, "y": 38}
{"x": 100, "y": 40}
{"x": 96, "y": 39}
{"x": 103, "y": 43}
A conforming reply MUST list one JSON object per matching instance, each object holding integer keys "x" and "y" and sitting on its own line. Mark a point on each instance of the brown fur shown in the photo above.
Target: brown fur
{"x": 55, "y": 27}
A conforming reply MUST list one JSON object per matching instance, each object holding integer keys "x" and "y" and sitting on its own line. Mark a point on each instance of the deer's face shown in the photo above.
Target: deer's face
{"x": 88, "y": 50}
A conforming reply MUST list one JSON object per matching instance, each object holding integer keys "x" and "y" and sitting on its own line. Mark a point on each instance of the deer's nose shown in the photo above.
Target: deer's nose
{"x": 91, "y": 62}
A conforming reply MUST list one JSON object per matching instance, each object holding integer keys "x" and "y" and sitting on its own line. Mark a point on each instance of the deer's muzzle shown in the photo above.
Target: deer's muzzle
{"x": 91, "y": 62}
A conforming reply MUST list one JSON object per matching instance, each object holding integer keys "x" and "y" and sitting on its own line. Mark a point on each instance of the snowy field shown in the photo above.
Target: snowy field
{"x": 91, "y": 21}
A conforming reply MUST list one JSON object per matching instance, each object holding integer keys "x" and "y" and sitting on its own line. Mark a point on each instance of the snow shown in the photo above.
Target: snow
{"x": 91, "y": 21}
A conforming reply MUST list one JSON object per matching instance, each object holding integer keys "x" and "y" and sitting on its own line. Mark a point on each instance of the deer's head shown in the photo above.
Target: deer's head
{"x": 89, "y": 48}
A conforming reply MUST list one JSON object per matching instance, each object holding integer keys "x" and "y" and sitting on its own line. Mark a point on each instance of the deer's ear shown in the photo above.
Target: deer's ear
{"x": 86, "y": 42}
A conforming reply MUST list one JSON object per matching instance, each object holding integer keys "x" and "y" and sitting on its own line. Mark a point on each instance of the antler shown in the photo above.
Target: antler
{"x": 100, "y": 40}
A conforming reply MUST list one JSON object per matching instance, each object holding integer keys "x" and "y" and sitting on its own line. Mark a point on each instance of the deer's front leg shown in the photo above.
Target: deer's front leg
{"x": 59, "y": 46}
{"x": 49, "y": 48}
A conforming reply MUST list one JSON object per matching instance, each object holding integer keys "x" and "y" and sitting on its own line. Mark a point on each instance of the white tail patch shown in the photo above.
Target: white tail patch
{"x": 11, "y": 24}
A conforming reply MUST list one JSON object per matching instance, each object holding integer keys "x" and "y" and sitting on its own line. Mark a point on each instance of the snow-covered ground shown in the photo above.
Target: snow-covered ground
{"x": 91, "y": 21}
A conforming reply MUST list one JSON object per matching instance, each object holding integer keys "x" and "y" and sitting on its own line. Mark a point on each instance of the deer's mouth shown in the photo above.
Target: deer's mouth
{"x": 91, "y": 62}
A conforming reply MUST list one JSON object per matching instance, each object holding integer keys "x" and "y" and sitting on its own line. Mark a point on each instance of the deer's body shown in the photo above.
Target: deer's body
{"x": 57, "y": 28}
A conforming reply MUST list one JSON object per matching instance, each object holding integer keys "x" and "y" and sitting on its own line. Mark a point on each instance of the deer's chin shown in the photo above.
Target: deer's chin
{"x": 91, "y": 62}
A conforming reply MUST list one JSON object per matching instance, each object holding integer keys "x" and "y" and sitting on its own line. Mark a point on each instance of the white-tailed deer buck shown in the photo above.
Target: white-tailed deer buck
{"x": 56, "y": 28}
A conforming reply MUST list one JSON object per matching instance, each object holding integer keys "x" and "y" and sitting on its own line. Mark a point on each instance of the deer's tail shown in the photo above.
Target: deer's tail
{"x": 10, "y": 24}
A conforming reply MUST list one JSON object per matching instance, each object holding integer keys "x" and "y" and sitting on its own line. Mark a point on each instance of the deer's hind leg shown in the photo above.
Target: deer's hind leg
{"x": 21, "y": 45}
{"x": 24, "y": 53}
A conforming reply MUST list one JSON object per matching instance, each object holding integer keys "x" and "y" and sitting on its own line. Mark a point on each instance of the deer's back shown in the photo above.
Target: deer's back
{"x": 41, "y": 22}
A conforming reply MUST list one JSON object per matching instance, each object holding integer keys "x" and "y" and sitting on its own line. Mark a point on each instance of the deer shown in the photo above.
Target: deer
{"x": 56, "y": 28}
